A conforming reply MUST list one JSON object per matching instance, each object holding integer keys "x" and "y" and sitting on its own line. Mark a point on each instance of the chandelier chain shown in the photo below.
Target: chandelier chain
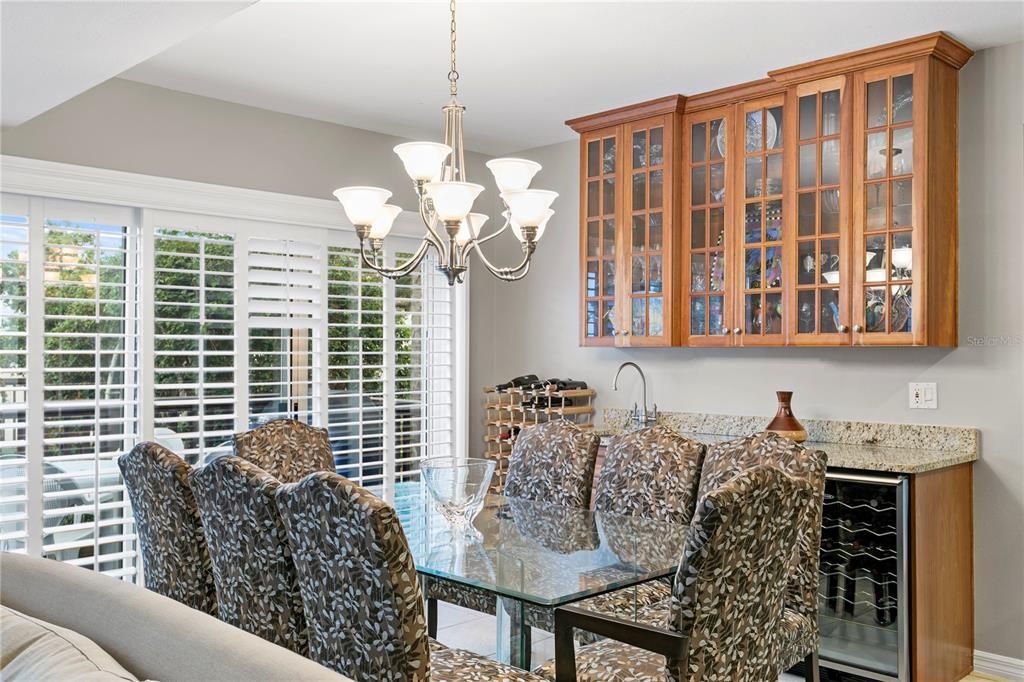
{"x": 453, "y": 73}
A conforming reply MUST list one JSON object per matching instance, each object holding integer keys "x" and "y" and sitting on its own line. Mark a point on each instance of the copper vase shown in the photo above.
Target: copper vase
{"x": 784, "y": 423}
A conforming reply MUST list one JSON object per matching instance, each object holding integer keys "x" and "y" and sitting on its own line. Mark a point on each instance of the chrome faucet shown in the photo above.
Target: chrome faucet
{"x": 640, "y": 417}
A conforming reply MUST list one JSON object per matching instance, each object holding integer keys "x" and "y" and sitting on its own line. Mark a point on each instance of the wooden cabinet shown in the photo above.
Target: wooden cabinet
{"x": 629, "y": 225}
{"x": 815, "y": 207}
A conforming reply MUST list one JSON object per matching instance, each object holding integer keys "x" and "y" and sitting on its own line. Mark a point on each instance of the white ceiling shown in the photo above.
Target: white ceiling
{"x": 52, "y": 51}
{"x": 525, "y": 66}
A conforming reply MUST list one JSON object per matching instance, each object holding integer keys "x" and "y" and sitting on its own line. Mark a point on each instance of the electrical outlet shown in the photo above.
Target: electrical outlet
{"x": 923, "y": 396}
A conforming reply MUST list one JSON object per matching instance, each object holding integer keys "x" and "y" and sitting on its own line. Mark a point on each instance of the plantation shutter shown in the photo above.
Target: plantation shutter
{"x": 90, "y": 382}
{"x": 284, "y": 291}
{"x": 14, "y": 226}
{"x": 193, "y": 341}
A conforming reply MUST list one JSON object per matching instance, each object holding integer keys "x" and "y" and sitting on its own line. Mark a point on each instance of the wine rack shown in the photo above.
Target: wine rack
{"x": 862, "y": 593}
{"x": 508, "y": 412}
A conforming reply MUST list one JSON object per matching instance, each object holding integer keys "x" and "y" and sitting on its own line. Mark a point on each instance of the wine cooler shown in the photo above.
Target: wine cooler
{"x": 863, "y": 595}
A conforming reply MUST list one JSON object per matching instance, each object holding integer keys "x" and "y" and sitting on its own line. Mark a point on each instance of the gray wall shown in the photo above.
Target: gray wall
{"x": 977, "y": 386}
{"x": 129, "y": 126}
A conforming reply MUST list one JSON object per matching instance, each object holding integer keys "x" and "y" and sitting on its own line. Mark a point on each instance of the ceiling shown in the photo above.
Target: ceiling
{"x": 52, "y": 51}
{"x": 525, "y": 66}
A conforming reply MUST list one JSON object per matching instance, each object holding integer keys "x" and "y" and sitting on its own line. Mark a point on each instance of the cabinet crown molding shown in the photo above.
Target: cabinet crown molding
{"x": 939, "y": 45}
{"x": 671, "y": 104}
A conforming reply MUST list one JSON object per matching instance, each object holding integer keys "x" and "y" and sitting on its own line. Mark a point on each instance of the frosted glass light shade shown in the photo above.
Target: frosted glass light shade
{"x": 510, "y": 174}
{"x": 470, "y": 228}
{"x": 422, "y": 160}
{"x": 384, "y": 220}
{"x": 362, "y": 204}
{"x": 453, "y": 200}
{"x": 528, "y": 205}
{"x": 517, "y": 229}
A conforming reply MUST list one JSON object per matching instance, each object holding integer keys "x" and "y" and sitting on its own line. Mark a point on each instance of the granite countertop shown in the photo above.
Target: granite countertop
{"x": 867, "y": 446}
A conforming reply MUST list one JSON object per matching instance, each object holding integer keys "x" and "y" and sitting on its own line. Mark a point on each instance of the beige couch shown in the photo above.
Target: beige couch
{"x": 151, "y": 636}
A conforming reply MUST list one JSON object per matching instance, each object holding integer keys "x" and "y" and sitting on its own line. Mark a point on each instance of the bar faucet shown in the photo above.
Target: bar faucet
{"x": 640, "y": 415}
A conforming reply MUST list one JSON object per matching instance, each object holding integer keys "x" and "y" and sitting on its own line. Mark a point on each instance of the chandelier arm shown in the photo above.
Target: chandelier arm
{"x": 399, "y": 271}
{"x": 428, "y": 221}
{"x": 509, "y": 274}
{"x": 484, "y": 240}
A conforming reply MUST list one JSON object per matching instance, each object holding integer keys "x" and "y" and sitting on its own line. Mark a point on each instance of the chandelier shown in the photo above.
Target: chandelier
{"x": 446, "y": 198}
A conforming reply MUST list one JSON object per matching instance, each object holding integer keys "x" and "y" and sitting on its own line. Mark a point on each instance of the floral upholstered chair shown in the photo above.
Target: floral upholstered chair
{"x": 800, "y": 620}
{"x": 652, "y": 473}
{"x": 175, "y": 557}
{"x": 551, "y": 462}
{"x": 257, "y": 587}
{"x": 286, "y": 449}
{"x": 360, "y": 589}
{"x": 724, "y": 619}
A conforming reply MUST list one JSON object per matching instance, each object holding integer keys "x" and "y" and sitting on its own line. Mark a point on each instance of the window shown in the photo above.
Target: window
{"x": 185, "y": 329}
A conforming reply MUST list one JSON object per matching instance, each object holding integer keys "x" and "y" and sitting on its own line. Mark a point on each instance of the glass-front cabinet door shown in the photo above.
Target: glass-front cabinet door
{"x": 761, "y": 217}
{"x": 818, "y": 280}
{"x": 646, "y": 252}
{"x": 599, "y": 204}
{"x": 887, "y": 213}
{"x": 707, "y": 234}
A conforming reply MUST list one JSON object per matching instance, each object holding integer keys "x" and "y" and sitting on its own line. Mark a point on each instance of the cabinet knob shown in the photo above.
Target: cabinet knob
{"x": 625, "y": 332}
{"x": 843, "y": 329}
{"x": 737, "y": 331}
{"x": 857, "y": 328}
{"x": 727, "y": 331}
{"x": 614, "y": 332}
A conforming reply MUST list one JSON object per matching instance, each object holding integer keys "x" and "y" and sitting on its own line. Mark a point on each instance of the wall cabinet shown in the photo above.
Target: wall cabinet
{"x": 815, "y": 207}
{"x": 628, "y": 228}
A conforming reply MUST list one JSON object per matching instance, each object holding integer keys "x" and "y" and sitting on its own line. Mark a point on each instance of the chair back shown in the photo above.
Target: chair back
{"x": 257, "y": 588}
{"x": 175, "y": 557}
{"x": 553, "y": 462}
{"x": 358, "y": 581}
{"x": 725, "y": 460}
{"x": 651, "y": 472}
{"x": 287, "y": 449}
{"x": 729, "y": 592}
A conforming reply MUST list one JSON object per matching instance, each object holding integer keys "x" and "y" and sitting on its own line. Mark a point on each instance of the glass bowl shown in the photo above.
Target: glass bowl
{"x": 457, "y": 486}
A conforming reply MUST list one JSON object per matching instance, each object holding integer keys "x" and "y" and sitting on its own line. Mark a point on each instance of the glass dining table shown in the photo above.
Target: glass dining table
{"x": 534, "y": 556}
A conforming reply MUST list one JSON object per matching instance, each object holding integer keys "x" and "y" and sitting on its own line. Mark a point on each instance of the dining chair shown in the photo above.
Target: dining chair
{"x": 727, "y": 598}
{"x": 551, "y": 462}
{"x": 175, "y": 556}
{"x": 724, "y": 461}
{"x": 257, "y": 587}
{"x": 360, "y": 589}
{"x": 287, "y": 449}
{"x": 649, "y": 473}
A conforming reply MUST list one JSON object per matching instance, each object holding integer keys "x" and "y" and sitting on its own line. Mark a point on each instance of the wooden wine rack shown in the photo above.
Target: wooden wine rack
{"x": 506, "y": 413}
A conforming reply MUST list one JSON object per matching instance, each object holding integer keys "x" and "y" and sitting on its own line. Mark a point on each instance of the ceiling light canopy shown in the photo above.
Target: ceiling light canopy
{"x": 446, "y": 199}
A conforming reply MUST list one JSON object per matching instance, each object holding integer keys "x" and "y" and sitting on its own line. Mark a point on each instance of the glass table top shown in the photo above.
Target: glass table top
{"x": 535, "y": 552}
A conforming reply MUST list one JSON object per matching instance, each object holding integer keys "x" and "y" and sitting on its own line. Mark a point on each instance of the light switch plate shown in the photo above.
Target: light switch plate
{"x": 923, "y": 396}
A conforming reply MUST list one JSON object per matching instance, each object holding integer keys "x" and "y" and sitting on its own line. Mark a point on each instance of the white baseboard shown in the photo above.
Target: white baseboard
{"x": 1000, "y": 667}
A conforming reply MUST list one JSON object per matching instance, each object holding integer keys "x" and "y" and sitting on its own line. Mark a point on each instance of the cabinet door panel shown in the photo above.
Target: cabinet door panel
{"x": 819, "y": 286}
{"x": 707, "y": 241}
{"x": 646, "y": 256}
{"x": 599, "y": 165}
{"x": 765, "y": 214}
{"x": 887, "y": 213}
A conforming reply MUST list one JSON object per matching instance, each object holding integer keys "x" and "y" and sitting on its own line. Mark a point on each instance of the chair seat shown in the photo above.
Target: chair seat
{"x": 799, "y": 638}
{"x": 612, "y": 661}
{"x": 626, "y": 602}
{"x": 458, "y": 665}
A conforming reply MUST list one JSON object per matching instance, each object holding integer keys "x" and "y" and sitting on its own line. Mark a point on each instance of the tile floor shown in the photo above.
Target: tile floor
{"x": 474, "y": 631}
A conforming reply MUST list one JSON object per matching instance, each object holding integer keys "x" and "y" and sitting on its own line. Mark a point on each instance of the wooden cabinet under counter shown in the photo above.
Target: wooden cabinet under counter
{"x": 815, "y": 207}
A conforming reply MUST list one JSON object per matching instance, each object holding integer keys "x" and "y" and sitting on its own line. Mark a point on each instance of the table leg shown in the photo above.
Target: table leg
{"x": 513, "y": 644}
{"x": 429, "y": 606}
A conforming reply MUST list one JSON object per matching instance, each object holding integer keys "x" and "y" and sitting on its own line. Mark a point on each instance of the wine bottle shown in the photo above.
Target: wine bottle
{"x": 518, "y": 382}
